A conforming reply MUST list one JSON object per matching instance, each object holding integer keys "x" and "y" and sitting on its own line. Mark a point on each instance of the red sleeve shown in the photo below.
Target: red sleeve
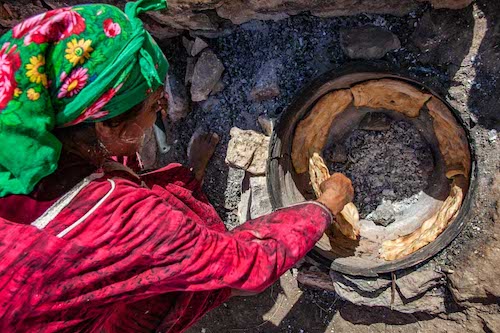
{"x": 138, "y": 244}
{"x": 254, "y": 255}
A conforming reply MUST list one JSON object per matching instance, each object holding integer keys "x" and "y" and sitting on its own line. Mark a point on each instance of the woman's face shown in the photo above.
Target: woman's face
{"x": 126, "y": 138}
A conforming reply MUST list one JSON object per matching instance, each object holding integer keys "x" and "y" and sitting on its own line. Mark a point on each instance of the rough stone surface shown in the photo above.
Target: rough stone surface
{"x": 474, "y": 281}
{"x": 198, "y": 46}
{"x": 266, "y": 82}
{"x": 451, "y": 4}
{"x": 368, "y": 42}
{"x": 188, "y": 44}
{"x": 418, "y": 291}
{"x": 318, "y": 280}
{"x": 375, "y": 121}
{"x": 190, "y": 63}
{"x": 219, "y": 87}
{"x": 266, "y": 124}
{"x": 206, "y": 74}
{"x": 254, "y": 198}
{"x": 248, "y": 150}
{"x": 213, "y": 15}
{"x": 178, "y": 101}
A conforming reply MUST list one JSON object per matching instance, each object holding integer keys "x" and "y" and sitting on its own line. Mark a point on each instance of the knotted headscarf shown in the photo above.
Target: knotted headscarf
{"x": 64, "y": 67}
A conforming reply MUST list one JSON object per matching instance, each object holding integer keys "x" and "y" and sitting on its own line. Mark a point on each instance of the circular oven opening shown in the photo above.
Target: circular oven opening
{"x": 405, "y": 150}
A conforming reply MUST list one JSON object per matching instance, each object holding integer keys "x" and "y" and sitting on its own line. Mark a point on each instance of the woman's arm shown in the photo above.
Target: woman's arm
{"x": 140, "y": 246}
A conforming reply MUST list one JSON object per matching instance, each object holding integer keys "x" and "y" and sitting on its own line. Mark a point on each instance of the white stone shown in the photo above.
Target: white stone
{"x": 248, "y": 150}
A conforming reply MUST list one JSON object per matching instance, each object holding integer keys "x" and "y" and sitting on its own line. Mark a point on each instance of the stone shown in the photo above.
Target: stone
{"x": 440, "y": 37}
{"x": 336, "y": 153}
{"x": 266, "y": 124}
{"x": 492, "y": 135}
{"x": 245, "y": 201}
{"x": 198, "y": 46}
{"x": 415, "y": 283}
{"x": 188, "y": 79}
{"x": 183, "y": 19}
{"x": 362, "y": 284}
{"x": 317, "y": 280}
{"x": 178, "y": 101}
{"x": 207, "y": 72}
{"x": 255, "y": 200}
{"x": 219, "y": 86}
{"x": 247, "y": 150}
{"x": 418, "y": 291}
{"x": 159, "y": 31}
{"x": 188, "y": 44}
{"x": 375, "y": 121}
{"x": 384, "y": 214}
{"x": 368, "y": 42}
{"x": 260, "y": 202}
{"x": 209, "y": 16}
{"x": 450, "y": 4}
{"x": 266, "y": 82}
{"x": 474, "y": 280}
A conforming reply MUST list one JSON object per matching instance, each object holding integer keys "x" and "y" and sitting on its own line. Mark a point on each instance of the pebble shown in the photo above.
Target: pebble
{"x": 492, "y": 135}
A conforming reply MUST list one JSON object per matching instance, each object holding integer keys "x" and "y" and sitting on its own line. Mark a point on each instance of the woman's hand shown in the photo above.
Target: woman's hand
{"x": 337, "y": 191}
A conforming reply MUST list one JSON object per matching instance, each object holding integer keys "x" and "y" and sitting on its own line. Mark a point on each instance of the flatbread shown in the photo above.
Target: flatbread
{"x": 312, "y": 132}
{"x": 391, "y": 95}
{"x": 347, "y": 221}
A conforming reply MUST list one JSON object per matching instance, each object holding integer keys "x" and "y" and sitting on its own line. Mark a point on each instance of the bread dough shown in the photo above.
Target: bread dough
{"x": 391, "y": 95}
{"x": 312, "y": 132}
{"x": 430, "y": 229}
{"x": 347, "y": 221}
{"x": 452, "y": 140}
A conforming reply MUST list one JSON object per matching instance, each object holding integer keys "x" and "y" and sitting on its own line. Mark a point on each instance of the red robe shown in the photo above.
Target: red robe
{"x": 138, "y": 255}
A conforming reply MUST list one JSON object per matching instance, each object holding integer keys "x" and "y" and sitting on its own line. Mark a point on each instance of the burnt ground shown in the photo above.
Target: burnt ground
{"x": 389, "y": 166}
{"x": 455, "y": 53}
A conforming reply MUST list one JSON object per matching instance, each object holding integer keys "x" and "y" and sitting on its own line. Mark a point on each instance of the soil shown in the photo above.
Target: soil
{"x": 385, "y": 167}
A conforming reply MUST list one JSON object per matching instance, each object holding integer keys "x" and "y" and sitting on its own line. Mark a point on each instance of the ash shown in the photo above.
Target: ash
{"x": 387, "y": 168}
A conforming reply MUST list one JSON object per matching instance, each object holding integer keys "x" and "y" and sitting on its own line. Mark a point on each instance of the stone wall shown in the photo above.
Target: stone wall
{"x": 215, "y": 15}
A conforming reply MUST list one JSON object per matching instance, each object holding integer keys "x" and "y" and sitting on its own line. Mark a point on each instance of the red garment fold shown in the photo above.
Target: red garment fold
{"x": 149, "y": 258}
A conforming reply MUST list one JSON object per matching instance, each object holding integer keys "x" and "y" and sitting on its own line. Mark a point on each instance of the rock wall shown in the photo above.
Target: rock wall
{"x": 215, "y": 15}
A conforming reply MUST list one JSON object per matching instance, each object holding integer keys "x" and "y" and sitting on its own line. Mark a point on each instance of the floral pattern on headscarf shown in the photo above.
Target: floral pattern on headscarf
{"x": 64, "y": 67}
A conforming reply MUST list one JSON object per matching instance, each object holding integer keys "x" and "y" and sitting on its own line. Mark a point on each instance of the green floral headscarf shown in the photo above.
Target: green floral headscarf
{"x": 63, "y": 67}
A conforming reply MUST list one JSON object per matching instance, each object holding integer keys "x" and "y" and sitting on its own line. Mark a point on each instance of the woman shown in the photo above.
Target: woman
{"x": 86, "y": 244}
